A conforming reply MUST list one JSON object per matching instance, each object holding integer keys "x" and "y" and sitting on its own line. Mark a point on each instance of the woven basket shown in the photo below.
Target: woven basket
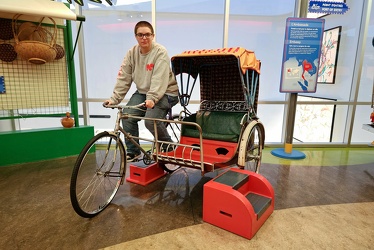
{"x": 60, "y": 51}
{"x": 37, "y": 52}
{"x": 31, "y": 31}
{"x": 7, "y": 52}
{"x": 6, "y": 29}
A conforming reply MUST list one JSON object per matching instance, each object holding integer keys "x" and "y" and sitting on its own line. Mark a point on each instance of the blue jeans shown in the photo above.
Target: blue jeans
{"x": 159, "y": 111}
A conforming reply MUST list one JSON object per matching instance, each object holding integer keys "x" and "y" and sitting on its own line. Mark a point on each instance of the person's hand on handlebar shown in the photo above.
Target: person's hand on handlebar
{"x": 149, "y": 104}
{"x": 107, "y": 103}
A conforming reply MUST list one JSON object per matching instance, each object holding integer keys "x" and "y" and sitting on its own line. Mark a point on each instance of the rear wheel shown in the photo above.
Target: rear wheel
{"x": 251, "y": 145}
{"x": 97, "y": 174}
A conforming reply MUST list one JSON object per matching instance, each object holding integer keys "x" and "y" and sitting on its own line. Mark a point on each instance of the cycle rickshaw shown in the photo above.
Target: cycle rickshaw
{"x": 224, "y": 132}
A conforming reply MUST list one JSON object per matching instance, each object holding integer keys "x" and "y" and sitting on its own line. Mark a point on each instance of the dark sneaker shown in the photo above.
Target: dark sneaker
{"x": 130, "y": 157}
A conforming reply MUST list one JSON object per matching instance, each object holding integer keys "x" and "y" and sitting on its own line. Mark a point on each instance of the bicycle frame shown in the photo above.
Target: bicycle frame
{"x": 118, "y": 128}
{"x": 156, "y": 143}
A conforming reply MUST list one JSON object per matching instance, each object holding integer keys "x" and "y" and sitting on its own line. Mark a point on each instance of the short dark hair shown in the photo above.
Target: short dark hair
{"x": 143, "y": 24}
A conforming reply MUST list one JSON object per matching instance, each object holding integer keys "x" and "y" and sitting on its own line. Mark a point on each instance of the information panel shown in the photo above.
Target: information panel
{"x": 302, "y": 49}
{"x": 328, "y": 7}
{"x": 2, "y": 85}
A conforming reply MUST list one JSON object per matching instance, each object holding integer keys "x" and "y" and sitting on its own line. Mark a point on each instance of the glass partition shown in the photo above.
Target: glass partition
{"x": 255, "y": 25}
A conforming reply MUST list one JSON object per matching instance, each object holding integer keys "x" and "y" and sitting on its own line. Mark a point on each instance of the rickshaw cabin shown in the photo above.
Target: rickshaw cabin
{"x": 229, "y": 80}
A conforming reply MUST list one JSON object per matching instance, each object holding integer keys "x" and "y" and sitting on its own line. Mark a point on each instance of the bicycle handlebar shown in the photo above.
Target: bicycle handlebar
{"x": 123, "y": 106}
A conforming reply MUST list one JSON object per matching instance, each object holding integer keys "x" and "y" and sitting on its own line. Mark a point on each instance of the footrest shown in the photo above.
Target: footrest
{"x": 144, "y": 174}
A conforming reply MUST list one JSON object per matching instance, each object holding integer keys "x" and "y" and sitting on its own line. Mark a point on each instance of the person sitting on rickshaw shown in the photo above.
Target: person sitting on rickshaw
{"x": 147, "y": 64}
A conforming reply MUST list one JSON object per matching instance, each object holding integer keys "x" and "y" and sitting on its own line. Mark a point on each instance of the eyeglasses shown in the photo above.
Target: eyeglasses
{"x": 146, "y": 35}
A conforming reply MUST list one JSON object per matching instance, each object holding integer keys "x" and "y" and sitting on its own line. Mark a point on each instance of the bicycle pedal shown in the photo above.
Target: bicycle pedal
{"x": 134, "y": 159}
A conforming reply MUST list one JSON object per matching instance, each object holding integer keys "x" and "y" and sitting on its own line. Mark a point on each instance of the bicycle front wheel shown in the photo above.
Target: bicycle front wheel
{"x": 97, "y": 174}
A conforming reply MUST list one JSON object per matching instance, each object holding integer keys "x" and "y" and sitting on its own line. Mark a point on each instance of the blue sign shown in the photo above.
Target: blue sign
{"x": 327, "y": 7}
{"x": 301, "y": 52}
{"x": 2, "y": 85}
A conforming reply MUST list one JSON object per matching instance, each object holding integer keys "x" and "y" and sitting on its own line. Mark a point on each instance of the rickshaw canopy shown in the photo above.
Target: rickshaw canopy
{"x": 229, "y": 75}
{"x": 191, "y": 61}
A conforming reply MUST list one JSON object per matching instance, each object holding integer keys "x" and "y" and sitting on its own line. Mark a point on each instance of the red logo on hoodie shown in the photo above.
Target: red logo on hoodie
{"x": 149, "y": 67}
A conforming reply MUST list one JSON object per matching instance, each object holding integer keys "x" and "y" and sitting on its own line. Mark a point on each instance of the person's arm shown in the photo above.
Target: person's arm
{"x": 124, "y": 80}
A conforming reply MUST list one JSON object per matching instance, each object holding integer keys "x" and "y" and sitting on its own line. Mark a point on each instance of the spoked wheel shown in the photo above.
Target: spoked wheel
{"x": 97, "y": 174}
{"x": 251, "y": 145}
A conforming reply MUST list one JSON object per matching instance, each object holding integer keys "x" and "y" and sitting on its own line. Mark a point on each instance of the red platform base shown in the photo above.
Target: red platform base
{"x": 239, "y": 201}
{"x": 144, "y": 174}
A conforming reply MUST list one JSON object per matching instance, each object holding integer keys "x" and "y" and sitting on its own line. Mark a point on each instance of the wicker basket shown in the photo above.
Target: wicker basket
{"x": 6, "y": 29}
{"x": 31, "y": 31}
{"x": 7, "y": 52}
{"x": 60, "y": 51}
{"x": 36, "y": 51}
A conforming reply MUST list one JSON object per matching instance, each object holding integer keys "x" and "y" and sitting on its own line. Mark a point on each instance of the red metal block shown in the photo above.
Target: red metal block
{"x": 144, "y": 174}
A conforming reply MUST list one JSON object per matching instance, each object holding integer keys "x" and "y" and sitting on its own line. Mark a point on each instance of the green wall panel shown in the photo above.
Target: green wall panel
{"x": 42, "y": 144}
